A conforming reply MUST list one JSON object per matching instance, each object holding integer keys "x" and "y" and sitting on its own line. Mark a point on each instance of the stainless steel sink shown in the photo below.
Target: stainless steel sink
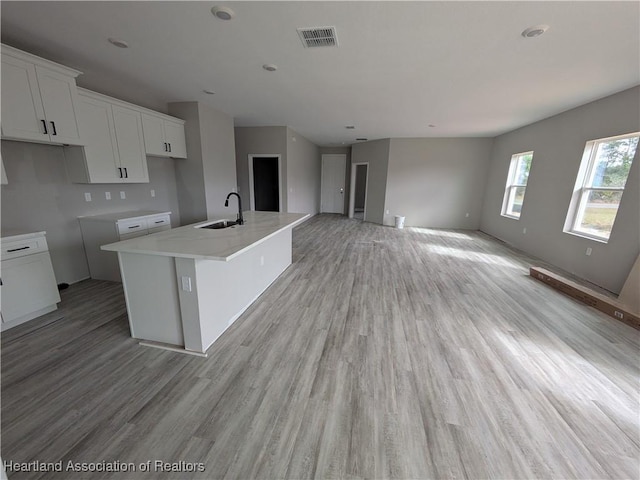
{"x": 217, "y": 225}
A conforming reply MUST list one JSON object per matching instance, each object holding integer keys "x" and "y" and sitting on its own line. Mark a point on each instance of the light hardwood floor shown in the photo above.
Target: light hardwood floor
{"x": 380, "y": 353}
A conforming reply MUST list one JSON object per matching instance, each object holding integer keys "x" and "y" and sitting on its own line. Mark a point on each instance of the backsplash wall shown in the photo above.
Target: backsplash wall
{"x": 40, "y": 197}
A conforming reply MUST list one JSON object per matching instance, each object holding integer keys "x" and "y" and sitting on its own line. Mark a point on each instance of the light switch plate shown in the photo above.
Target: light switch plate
{"x": 153, "y": 192}
{"x": 186, "y": 284}
{"x": 123, "y": 195}
{"x": 87, "y": 197}
{"x": 107, "y": 195}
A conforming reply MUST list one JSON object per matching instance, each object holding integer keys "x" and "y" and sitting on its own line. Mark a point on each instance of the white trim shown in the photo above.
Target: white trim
{"x": 352, "y": 190}
{"x": 252, "y": 205}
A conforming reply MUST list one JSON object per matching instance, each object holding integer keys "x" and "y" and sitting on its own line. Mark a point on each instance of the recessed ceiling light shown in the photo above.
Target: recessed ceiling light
{"x": 536, "y": 31}
{"x": 222, "y": 12}
{"x": 270, "y": 67}
{"x": 118, "y": 43}
{"x": 350, "y": 127}
{"x": 209, "y": 92}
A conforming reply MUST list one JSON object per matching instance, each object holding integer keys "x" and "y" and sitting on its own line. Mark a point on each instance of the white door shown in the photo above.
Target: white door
{"x": 101, "y": 149}
{"x": 131, "y": 149}
{"x": 59, "y": 99}
{"x": 333, "y": 174}
{"x": 22, "y": 112}
{"x": 174, "y": 135}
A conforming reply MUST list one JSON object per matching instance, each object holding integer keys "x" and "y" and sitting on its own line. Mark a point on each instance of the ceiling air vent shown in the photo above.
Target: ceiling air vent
{"x": 318, "y": 37}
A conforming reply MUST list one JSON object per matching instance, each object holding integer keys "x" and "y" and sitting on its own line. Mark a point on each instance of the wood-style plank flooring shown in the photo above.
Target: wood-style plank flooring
{"x": 380, "y": 353}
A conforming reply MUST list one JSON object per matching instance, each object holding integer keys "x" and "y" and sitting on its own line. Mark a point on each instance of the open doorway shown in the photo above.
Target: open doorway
{"x": 358, "y": 194}
{"x": 265, "y": 191}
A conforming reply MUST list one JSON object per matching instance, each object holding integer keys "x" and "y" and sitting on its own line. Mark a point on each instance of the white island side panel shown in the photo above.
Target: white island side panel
{"x": 222, "y": 291}
{"x": 151, "y": 293}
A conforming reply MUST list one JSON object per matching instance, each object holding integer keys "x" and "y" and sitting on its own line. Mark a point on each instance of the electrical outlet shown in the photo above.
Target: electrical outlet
{"x": 153, "y": 192}
{"x": 467, "y": 215}
{"x": 87, "y": 197}
{"x": 107, "y": 195}
{"x": 387, "y": 212}
{"x": 524, "y": 231}
{"x": 588, "y": 252}
{"x": 618, "y": 314}
{"x": 123, "y": 195}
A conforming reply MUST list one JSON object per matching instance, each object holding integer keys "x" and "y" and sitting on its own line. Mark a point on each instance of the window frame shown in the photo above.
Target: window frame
{"x": 583, "y": 187}
{"x": 511, "y": 185}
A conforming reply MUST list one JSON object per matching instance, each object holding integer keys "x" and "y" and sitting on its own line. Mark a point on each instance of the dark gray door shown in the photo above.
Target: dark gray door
{"x": 266, "y": 184}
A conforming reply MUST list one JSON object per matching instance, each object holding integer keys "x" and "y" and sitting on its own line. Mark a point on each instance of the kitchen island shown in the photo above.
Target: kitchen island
{"x": 185, "y": 286}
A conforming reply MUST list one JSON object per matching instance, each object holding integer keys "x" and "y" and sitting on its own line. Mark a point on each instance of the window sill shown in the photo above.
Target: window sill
{"x": 512, "y": 217}
{"x": 587, "y": 236}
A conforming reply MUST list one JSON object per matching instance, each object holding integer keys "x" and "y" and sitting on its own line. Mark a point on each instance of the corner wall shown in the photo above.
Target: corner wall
{"x": 437, "y": 182}
{"x": 303, "y": 174}
{"x": 558, "y": 144}
{"x": 376, "y": 153}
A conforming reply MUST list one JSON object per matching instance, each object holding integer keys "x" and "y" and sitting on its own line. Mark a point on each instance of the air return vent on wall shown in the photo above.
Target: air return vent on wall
{"x": 318, "y": 37}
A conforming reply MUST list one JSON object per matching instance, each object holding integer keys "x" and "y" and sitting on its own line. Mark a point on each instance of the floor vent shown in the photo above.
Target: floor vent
{"x": 318, "y": 37}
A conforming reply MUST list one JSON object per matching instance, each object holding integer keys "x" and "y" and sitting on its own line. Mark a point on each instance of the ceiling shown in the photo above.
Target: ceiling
{"x": 399, "y": 66}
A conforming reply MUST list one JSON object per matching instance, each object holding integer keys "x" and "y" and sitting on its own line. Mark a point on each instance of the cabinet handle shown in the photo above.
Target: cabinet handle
{"x": 53, "y": 125}
{"x": 169, "y": 147}
{"x": 166, "y": 149}
{"x": 133, "y": 226}
{"x": 44, "y": 125}
{"x": 159, "y": 221}
{"x": 126, "y": 174}
{"x": 17, "y": 249}
{"x": 120, "y": 172}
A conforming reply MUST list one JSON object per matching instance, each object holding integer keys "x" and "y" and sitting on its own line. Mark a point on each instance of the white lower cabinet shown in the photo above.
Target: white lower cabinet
{"x": 114, "y": 150}
{"x": 29, "y": 287}
{"x": 101, "y": 230}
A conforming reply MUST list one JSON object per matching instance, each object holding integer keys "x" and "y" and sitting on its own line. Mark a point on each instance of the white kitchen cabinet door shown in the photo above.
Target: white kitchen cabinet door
{"x": 100, "y": 160}
{"x": 22, "y": 111}
{"x": 59, "y": 98}
{"x": 174, "y": 136}
{"x": 28, "y": 285}
{"x": 154, "y": 141}
{"x": 131, "y": 147}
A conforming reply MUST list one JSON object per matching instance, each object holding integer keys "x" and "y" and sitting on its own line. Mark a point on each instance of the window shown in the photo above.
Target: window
{"x": 516, "y": 184}
{"x": 601, "y": 179}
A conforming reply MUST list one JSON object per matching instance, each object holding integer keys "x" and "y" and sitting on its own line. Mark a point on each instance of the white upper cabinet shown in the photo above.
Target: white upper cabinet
{"x": 164, "y": 137}
{"x": 114, "y": 151}
{"x": 39, "y": 99}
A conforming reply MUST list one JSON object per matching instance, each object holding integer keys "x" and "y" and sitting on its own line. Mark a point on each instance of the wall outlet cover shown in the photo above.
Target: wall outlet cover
{"x": 153, "y": 192}
{"x": 123, "y": 195}
{"x": 107, "y": 195}
{"x": 87, "y": 197}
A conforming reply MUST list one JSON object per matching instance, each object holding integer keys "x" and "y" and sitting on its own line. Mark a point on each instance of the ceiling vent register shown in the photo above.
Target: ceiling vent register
{"x": 318, "y": 37}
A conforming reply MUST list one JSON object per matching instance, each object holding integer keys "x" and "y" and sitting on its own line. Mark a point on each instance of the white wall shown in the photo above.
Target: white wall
{"x": 558, "y": 143}
{"x": 435, "y": 182}
{"x": 303, "y": 174}
{"x": 40, "y": 197}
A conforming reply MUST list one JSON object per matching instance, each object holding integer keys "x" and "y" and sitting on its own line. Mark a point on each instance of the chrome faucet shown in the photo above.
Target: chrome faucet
{"x": 239, "y": 220}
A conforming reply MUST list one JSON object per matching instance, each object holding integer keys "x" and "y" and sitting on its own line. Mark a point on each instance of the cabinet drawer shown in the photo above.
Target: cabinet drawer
{"x": 20, "y": 248}
{"x": 158, "y": 221}
{"x": 126, "y": 227}
{"x": 127, "y": 236}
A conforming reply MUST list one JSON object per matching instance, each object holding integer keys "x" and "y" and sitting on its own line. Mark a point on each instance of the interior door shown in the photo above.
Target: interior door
{"x": 333, "y": 175}
{"x": 266, "y": 184}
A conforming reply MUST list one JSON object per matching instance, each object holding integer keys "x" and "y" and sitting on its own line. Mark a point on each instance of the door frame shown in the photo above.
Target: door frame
{"x": 252, "y": 200}
{"x": 322, "y": 177}
{"x": 352, "y": 190}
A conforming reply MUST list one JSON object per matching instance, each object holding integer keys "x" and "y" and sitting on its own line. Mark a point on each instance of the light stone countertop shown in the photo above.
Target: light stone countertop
{"x": 208, "y": 244}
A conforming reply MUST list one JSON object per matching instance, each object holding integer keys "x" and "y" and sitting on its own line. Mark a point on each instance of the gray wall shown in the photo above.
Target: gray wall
{"x": 347, "y": 171}
{"x": 259, "y": 140}
{"x": 558, "y": 143}
{"x": 192, "y": 196}
{"x": 435, "y": 182}
{"x": 218, "y": 160}
{"x": 376, "y": 153}
{"x": 40, "y": 197}
{"x": 303, "y": 174}
{"x": 209, "y": 173}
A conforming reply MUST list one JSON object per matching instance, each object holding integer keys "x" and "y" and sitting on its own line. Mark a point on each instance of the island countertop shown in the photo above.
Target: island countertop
{"x": 207, "y": 244}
